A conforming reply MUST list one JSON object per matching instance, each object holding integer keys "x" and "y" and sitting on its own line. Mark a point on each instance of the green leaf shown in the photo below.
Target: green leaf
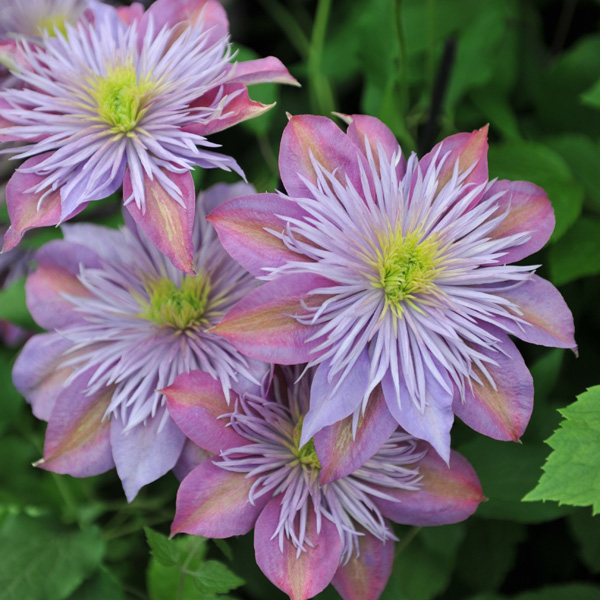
{"x": 13, "y": 307}
{"x": 44, "y": 560}
{"x": 586, "y": 530}
{"x": 529, "y": 161}
{"x": 214, "y": 577}
{"x": 577, "y": 254}
{"x": 167, "y": 552}
{"x": 101, "y": 586}
{"x": 225, "y": 548}
{"x": 591, "y": 97}
{"x": 507, "y": 471}
{"x": 576, "y": 591}
{"x": 571, "y": 471}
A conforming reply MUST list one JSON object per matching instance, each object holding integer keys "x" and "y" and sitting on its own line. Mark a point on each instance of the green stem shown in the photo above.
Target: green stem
{"x": 320, "y": 91}
{"x": 184, "y": 566}
{"x": 408, "y": 538}
{"x": 289, "y": 25}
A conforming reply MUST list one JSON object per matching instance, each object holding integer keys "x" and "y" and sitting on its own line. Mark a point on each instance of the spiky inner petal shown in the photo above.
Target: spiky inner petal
{"x": 180, "y": 307}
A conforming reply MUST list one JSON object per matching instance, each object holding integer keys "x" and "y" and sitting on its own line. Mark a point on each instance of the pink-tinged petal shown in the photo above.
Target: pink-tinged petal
{"x": 214, "y": 503}
{"x": 130, "y": 14}
{"x": 4, "y": 105}
{"x": 145, "y": 452}
{"x": 528, "y": 210}
{"x": 447, "y": 494}
{"x": 239, "y": 108}
{"x": 37, "y": 373}
{"x": 23, "y": 205}
{"x": 307, "y": 138}
{"x": 340, "y": 453}
{"x": 548, "y": 320}
{"x": 191, "y": 456}
{"x": 104, "y": 242}
{"x": 261, "y": 70}
{"x": 333, "y": 399}
{"x": 171, "y": 12}
{"x": 218, "y": 194}
{"x": 262, "y": 324}
{"x": 304, "y": 576}
{"x": 243, "y": 226}
{"x": 78, "y": 438}
{"x": 365, "y": 576}
{"x": 167, "y": 224}
{"x": 54, "y": 279}
{"x": 433, "y": 424}
{"x": 366, "y": 130}
{"x": 196, "y": 401}
{"x": 501, "y": 413}
{"x": 469, "y": 149}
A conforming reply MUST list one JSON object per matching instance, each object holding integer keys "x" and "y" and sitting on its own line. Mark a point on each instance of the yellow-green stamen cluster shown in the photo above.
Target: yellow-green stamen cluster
{"x": 306, "y": 455}
{"x": 407, "y": 266}
{"x": 120, "y": 97}
{"x": 181, "y": 307}
{"x": 54, "y": 23}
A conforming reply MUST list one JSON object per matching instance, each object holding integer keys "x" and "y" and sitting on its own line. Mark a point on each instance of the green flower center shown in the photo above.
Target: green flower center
{"x": 181, "y": 307}
{"x": 307, "y": 455}
{"x": 407, "y": 266}
{"x": 120, "y": 96}
{"x": 54, "y": 23}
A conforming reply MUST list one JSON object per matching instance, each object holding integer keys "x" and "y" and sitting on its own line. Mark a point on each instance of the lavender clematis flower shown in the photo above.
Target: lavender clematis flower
{"x": 124, "y": 322}
{"x": 393, "y": 272}
{"x": 320, "y": 510}
{"x": 127, "y": 100}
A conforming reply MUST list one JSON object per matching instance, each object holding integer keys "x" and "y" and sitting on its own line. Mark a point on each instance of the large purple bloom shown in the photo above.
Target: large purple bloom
{"x": 124, "y": 323}
{"x": 320, "y": 510}
{"x": 394, "y": 272}
{"x": 127, "y": 100}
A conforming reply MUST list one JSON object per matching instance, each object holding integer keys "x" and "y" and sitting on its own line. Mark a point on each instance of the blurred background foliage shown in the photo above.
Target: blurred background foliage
{"x": 427, "y": 68}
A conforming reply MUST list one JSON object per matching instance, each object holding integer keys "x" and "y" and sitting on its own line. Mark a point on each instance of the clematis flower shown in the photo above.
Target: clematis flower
{"x": 124, "y": 322}
{"x": 321, "y": 511}
{"x": 127, "y": 101}
{"x": 397, "y": 272}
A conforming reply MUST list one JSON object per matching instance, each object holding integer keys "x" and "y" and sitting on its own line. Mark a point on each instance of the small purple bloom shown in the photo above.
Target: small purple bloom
{"x": 124, "y": 322}
{"x": 126, "y": 101}
{"x": 393, "y": 272}
{"x": 310, "y": 529}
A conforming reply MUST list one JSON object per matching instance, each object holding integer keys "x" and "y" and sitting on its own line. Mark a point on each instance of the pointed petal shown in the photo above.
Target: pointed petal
{"x": 77, "y": 438}
{"x": 214, "y": 503}
{"x": 191, "y": 456}
{"x": 369, "y": 130}
{"x": 501, "y": 413}
{"x": 196, "y": 401}
{"x": 528, "y": 210}
{"x": 167, "y": 224}
{"x": 130, "y": 14}
{"x": 261, "y": 70}
{"x": 340, "y": 453}
{"x": 448, "y": 494}
{"x": 304, "y": 576}
{"x": 56, "y": 276}
{"x": 469, "y": 149}
{"x": 103, "y": 241}
{"x": 243, "y": 226}
{"x": 434, "y": 423}
{"x": 307, "y": 136}
{"x": 332, "y": 401}
{"x": 549, "y": 321}
{"x": 23, "y": 205}
{"x": 262, "y": 326}
{"x": 37, "y": 373}
{"x": 365, "y": 576}
{"x": 218, "y": 194}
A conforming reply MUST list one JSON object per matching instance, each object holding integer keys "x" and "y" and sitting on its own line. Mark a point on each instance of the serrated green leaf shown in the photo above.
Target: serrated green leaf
{"x": 42, "y": 559}
{"x": 214, "y": 577}
{"x": 13, "y": 307}
{"x": 167, "y": 552}
{"x": 586, "y": 530}
{"x": 572, "y": 470}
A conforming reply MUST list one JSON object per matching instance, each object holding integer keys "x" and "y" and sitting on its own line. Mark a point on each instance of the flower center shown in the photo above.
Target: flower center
{"x": 178, "y": 307}
{"x": 53, "y": 24}
{"x": 307, "y": 455}
{"x": 407, "y": 266}
{"x": 120, "y": 96}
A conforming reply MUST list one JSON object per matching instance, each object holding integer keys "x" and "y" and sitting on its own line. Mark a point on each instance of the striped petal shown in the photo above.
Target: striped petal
{"x": 196, "y": 401}
{"x": 244, "y": 226}
{"x": 304, "y": 576}
{"x": 78, "y": 436}
{"x": 528, "y": 210}
{"x": 167, "y": 223}
{"x": 307, "y": 138}
{"x": 262, "y": 324}
{"x": 214, "y": 503}
{"x": 501, "y": 412}
{"x": 365, "y": 576}
{"x": 548, "y": 320}
{"x": 447, "y": 494}
{"x": 340, "y": 452}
